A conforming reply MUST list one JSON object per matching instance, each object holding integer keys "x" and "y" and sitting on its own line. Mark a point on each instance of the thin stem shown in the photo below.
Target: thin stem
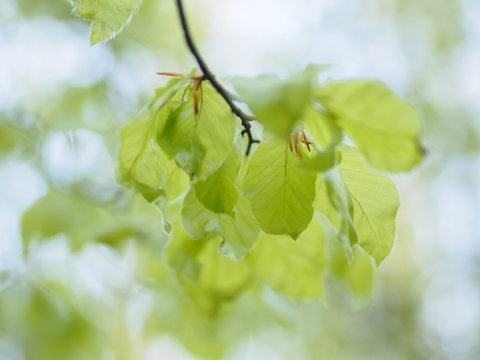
{"x": 208, "y": 75}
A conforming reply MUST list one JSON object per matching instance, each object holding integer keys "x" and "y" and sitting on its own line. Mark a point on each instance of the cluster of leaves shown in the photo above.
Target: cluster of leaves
{"x": 303, "y": 207}
{"x": 309, "y": 205}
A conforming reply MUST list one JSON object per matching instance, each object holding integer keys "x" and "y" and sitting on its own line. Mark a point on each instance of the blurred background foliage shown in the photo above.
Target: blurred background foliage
{"x": 80, "y": 276}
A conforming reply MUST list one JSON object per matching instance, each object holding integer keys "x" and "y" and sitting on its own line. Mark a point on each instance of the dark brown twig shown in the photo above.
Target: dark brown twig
{"x": 207, "y": 73}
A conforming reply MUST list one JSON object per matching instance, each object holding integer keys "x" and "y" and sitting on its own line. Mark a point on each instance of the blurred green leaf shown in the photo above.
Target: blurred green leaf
{"x": 209, "y": 277}
{"x": 84, "y": 221}
{"x": 221, "y": 278}
{"x": 199, "y": 222}
{"x": 355, "y": 271}
{"x": 295, "y": 268}
{"x": 278, "y": 104}
{"x": 66, "y": 334}
{"x": 384, "y": 127}
{"x": 240, "y": 232}
{"x": 325, "y": 136}
{"x": 9, "y": 136}
{"x": 108, "y": 17}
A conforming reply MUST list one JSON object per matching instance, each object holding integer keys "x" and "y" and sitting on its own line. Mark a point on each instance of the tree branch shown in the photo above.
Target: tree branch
{"x": 208, "y": 75}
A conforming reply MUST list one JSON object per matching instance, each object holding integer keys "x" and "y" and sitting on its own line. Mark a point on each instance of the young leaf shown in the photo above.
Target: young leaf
{"x": 324, "y": 136}
{"x": 359, "y": 274}
{"x": 92, "y": 222}
{"x": 355, "y": 271}
{"x": 142, "y": 163}
{"x": 385, "y": 128}
{"x": 108, "y": 17}
{"x": 218, "y": 192}
{"x": 375, "y": 203}
{"x": 278, "y": 104}
{"x": 208, "y": 277}
{"x": 333, "y": 200}
{"x": 199, "y": 222}
{"x": 182, "y": 252}
{"x": 294, "y": 268}
{"x": 281, "y": 196}
{"x": 221, "y": 278}
{"x": 241, "y": 232}
{"x": 199, "y": 143}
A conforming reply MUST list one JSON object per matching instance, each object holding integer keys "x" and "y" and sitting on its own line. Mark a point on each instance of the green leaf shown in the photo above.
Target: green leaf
{"x": 9, "y": 136}
{"x": 281, "y": 197}
{"x": 241, "y": 232}
{"x": 198, "y": 221}
{"x": 182, "y": 252}
{"x": 325, "y": 136}
{"x": 385, "y": 128}
{"x": 208, "y": 277}
{"x": 142, "y": 163}
{"x": 375, "y": 203}
{"x": 278, "y": 104}
{"x": 355, "y": 270}
{"x": 218, "y": 192}
{"x": 294, "y": 268}
{"x": 108, "y": 17}
{"x": 198, "y": 143}
{"x": 333, "y": 200}
{"x": 357, "y": 273}
{"x": 92, "y": 222}
{"x": 221, "y": 278}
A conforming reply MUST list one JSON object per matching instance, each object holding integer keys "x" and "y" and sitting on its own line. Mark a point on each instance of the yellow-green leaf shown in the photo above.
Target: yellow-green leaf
{"x": 199, "y": 143}
{"x": 375, "y": 203}
{"x": 240, "y": 232}
{"x": 218, "y": 192}
{"x": 294, "y": 268}
{"x": 281, "y": 196}
{"x": 143, "y": 165}
{"x": 108, "y": 17}
{"x": 278, "y": 104}
{"x": 385, "y": 128}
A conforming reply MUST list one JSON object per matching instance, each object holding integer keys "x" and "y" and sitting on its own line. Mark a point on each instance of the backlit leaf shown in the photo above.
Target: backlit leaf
{"x": 84, "y": 221}
{"x": 142, "y": 163}
{"x": 278, "y": 104}
{"x": 294, "y": 268}
{"x": 333, "y": 200}
{"x": 199, "y": 222}
{"x": 281, "y": 196}
{"x": 240, "y": 232}
{"x": 199, "y": 143}
{"x": 324, "y": 136}
{"x": 108, "y": 17}
{"x": 375, "y": 203}
{"x": 384, "y": 127}
{"x": 218, "y": 192}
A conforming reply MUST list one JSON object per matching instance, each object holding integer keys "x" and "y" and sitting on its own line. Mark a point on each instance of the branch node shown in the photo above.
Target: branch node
{"x": 208, "y": 75}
